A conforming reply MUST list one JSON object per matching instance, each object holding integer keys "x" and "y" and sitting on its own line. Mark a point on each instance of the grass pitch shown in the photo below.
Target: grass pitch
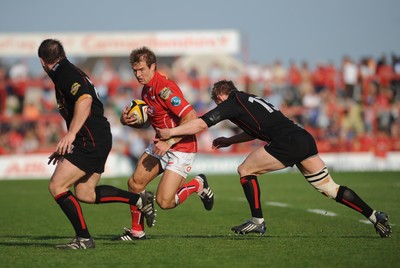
{"x": 304, "y": 228}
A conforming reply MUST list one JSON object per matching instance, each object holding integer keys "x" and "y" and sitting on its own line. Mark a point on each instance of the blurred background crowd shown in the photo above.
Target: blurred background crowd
{"x": 353, "y": 107}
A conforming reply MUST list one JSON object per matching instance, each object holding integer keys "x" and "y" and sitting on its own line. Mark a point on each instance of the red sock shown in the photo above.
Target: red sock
{"x": 137, "y": 219}
{"x": 186, "y": 190}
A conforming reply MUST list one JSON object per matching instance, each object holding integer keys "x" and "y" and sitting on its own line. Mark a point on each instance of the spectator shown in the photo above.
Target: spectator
{"x": 396, "y": 79}
{"x": 3, "y": 91}
{"x": 31, "y": 111}
{"x": 349, "y": 77}
{"x": 306, "y": 85}
{"x": 319, "y": 78}
{"x": 331, "y": 78}
{"x": 385, "y": 73}
{"x": 292, "y": 96}
{"x": 18, "y": 77}
{"x": 30, "y": 142}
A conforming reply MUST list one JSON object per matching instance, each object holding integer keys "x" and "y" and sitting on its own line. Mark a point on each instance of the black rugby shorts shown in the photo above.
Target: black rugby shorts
{"x": 90, "y": 159}
{"x": 292, "y": 148}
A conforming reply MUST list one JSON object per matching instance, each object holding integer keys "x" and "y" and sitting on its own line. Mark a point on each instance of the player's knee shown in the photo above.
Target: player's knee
{"x": 52, "y": 189}
{"x": 323, "y": 183}
{"x": 134, "y": 186}
{"x": 56, "y": 189}
{"x": 165, "y": 203}
{"x": 242, "y": 170}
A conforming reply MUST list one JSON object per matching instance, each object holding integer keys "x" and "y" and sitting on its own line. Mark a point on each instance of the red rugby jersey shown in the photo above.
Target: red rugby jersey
{"x": 166, "y": 106}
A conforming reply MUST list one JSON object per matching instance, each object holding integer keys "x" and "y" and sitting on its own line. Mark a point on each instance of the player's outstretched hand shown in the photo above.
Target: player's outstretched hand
{"x": 220, "y": 142}
{"x": 54, "y": 157}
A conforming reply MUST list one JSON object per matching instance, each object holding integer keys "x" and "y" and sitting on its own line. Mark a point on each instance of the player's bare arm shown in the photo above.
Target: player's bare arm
{"x": 162, "y": 145}
{"x": 81, "y": 113}
{"x": 192, "y": 115}
{"x": 192, "y": 127}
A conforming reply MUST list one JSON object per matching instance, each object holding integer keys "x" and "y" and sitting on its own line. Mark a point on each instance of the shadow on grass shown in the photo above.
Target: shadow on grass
{"x": 194, "y": 236}
{"x": 40, "y": 241}
{"x": 29, "y": 240}
{"x": 243, "y": 237}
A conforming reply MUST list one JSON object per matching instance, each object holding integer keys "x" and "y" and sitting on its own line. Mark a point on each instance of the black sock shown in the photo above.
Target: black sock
{"x": 252, "y": 191}
{"x": 349, "y": 198}
{"x": 111, "y": 194}
{"x": 71, "y": 207}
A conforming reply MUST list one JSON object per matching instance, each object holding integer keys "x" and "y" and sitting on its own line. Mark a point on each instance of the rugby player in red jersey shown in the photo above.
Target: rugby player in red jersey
{"x": 173, "y": 158}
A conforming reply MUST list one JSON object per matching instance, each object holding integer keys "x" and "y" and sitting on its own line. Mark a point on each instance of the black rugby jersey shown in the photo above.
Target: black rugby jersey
{"x": 253, "y": 115}
{"x": 70, "y": 84}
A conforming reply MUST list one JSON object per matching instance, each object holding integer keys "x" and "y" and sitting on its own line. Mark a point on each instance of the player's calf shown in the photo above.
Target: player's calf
{"x": 323, "y": 183}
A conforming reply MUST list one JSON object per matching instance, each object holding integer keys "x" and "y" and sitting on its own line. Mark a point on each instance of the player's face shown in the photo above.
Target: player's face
{"x": 45, "y": 67}
{"x": 142, "y": 72}
{"x": 220, "y": 98}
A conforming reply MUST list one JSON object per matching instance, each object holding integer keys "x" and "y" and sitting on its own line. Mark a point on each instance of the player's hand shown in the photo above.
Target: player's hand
{"x": 220, "y": 142}
{"x": 128, "y": 119}
{"x": 65, "y": 146}
{"x": 163, "y": 134}
{"x": 54, "y": 157}
{"x": 160, "y": 147}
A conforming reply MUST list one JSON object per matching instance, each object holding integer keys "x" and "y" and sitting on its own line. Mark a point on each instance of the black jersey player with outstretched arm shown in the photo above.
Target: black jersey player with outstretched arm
{"x": 82, "y": 152}
{"x": 287, "y": 144}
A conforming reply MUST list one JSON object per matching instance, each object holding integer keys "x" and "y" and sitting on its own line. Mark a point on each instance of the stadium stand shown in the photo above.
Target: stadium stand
{"x": 354, "y": 107}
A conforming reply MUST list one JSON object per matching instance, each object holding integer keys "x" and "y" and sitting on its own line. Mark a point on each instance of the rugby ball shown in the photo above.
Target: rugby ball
{"x": 139, "y": 108}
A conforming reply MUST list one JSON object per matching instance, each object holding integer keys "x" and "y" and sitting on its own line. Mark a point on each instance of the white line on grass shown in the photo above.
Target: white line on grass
{"x": 322, "y": 212}
{"x": 316, "y": 211}
{"x": 277, "y": 204}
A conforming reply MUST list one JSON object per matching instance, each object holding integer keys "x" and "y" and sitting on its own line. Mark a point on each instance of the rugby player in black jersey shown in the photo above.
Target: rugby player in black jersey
{"x": 287, "y": 144}
{"x": 81, "y": 154}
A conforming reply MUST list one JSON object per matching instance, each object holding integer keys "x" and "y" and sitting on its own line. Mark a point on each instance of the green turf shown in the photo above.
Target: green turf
{"x": 31, "y": 223}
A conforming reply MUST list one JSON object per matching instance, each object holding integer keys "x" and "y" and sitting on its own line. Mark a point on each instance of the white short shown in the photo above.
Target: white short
{"x": 177, "y": 162}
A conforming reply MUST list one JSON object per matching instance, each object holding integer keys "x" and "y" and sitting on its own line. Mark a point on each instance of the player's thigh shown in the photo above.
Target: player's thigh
{"x": 170, "y": 182}
{"x": 311, "y": 165}
{"x": 65, "y": 175}
{"x": 85, "y": 188}
{"x": 147, "y": 168}
{"x": 259, "y": 162}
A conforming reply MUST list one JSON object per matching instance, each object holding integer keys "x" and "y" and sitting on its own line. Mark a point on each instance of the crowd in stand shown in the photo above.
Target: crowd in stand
{"x": 354, "y": 107}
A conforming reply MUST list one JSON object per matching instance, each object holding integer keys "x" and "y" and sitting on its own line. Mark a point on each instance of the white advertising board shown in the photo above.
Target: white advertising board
{"x": 34, "y": 166}
{"x": 93, "y": 44}
{"x": 17, "y": 167}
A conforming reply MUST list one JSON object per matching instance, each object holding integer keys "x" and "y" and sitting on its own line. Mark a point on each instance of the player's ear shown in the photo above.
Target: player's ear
{"x": 153, "y": 67}
{"x": 222, "y": 97}
{"x": 218, "y": 99}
